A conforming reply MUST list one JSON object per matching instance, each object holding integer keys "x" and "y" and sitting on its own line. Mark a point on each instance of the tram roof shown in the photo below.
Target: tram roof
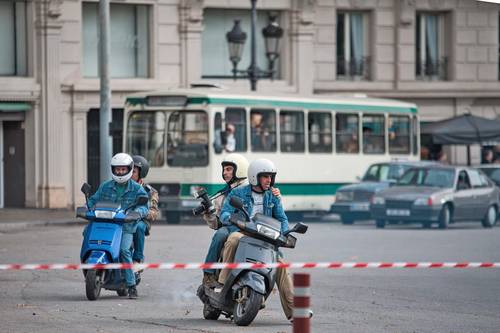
{"x": 224, "y": 97}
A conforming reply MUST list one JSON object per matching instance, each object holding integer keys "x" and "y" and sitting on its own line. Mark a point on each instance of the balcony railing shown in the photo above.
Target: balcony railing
{"x": 432, "y": 70}
{"x": 353, "y": 69}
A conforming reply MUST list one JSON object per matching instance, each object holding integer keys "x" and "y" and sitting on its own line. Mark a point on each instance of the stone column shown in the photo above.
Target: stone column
{"x": 79, "y": 158}
{"x": 302, "y": 37}
{"x": 52, "y": 192}
{"x": 191, "y": 17}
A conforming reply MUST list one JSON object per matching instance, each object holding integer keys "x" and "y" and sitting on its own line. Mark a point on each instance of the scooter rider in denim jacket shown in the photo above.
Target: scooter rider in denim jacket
{"x": 141, "y": 169}
{"x": 234, "y": 173}
{"x": 257, "y": 198}
{"x": 123, "y": 190}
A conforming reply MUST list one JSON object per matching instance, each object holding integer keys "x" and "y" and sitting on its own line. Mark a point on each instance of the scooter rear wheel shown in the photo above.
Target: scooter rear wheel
{"x": 93, "y": 284}
{"x": 210, "y": 313}
{"x": 246, "y": 310}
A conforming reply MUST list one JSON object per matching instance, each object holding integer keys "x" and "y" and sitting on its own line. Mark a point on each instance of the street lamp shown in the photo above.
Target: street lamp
{"x": 236, "y": 41}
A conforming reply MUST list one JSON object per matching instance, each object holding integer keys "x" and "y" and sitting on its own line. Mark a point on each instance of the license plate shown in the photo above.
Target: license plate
{"x": 190, "y": 204}
{"x": 363, "y": 207}
{"x": 398, "y": 212}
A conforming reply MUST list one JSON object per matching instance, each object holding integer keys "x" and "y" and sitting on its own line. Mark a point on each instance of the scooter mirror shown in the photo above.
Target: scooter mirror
{"x": 86, "y": 188}
{"x": 236, "y": 203}
{"x": 299, "y": 228}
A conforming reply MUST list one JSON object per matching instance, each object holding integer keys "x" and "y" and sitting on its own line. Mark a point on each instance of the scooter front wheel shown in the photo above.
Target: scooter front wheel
{"x": 93, "y": 284}
{"x": 247, "y": 306}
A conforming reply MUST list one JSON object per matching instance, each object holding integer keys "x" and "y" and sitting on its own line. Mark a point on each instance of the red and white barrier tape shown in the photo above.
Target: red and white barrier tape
{"x": 246, "y": 265}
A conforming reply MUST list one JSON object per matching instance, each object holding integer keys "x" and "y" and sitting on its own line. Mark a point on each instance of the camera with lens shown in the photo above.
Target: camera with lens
{"x": 206, "y": 205}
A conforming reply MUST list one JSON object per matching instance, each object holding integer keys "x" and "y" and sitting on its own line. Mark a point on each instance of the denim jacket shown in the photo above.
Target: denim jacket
{"x": 272, "y": 206}
{"x": 107, "y": 192}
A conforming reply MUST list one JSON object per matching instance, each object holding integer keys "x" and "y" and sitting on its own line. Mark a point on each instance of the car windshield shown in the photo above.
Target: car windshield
{"x": 428, "y": 177}
{"x": 493, "y": 173}
{"x": 384, "y": 172}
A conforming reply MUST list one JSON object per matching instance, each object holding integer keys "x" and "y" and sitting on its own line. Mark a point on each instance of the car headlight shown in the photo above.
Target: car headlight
{"x": 378, "y": 201}
{"x": 268, "y": 232}
{"x": 344, "y": 196}
{"x": 104, "y": 214}
{"x": 423, "y": 202}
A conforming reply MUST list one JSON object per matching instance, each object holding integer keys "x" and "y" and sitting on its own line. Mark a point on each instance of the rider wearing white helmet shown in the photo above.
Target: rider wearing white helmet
{"x": 123, "y": 190}
{"x": 257, "y": 198}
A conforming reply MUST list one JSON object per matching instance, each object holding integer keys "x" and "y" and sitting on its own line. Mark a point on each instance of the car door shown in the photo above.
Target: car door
{"x": 463, "y": 196}
{"x": 480, "y": 195}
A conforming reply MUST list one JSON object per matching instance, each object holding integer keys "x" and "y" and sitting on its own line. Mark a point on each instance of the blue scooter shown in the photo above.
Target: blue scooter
{"x": 101, "y": 244}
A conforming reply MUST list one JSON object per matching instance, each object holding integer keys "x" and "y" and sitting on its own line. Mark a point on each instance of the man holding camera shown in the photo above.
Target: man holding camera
{"x": 234, "y": 173}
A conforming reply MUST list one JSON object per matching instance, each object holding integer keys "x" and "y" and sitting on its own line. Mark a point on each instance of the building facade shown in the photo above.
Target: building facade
{"x": 440, "y": 54}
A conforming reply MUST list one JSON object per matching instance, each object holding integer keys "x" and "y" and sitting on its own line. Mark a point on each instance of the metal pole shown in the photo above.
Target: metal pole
{"x": 105, "y": 142}
{"x": 301, "y": 303}
{"x": 253, "y": 45}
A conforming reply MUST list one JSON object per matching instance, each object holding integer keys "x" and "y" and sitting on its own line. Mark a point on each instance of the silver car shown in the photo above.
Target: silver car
{"x": 438, "y": 194}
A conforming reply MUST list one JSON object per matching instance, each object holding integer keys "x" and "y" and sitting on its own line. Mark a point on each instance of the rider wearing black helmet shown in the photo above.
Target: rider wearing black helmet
{"x": 141, "y": 169}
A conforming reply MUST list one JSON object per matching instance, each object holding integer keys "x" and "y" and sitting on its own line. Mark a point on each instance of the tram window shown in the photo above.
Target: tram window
{"x": 399, "y": 135}
{"x": 346, "y": 127}
{"x": 373, "y": 134}
{"x": 320, "y": 132}
{"x": 236, "y": 117}
{"x": 187, "y": 139}
{"x": 145, "y": 136}
{"x": 292, "y": 131}
{"x": 263, "y": 130}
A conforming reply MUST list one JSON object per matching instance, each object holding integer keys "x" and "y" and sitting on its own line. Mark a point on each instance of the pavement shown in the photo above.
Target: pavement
{"x": 25, "y": 217}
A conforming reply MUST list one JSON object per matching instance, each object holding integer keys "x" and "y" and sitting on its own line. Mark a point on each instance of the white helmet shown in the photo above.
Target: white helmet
{"x": 122, "y": 159}
{"x": 258, "y": 167}
{"x": 239, "y": 164}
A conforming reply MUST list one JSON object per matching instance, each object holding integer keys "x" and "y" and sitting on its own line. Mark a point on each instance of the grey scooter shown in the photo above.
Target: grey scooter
{"x": 244, "y": 291}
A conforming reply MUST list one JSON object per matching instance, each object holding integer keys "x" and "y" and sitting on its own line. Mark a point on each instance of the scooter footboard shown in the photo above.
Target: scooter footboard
{"x": 253, "y": 280}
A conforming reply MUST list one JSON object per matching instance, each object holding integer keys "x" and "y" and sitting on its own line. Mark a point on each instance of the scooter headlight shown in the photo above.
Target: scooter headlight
{"x": 104, "y": 214}
{"x": 268, "y": 232}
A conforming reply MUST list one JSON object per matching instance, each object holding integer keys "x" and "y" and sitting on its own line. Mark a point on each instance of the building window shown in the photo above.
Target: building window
{"x": 215, "y": 53}
{"x": 320, "y": 132}
{"x": 353, "y": 56}
{"x": 292, "y": 131}
{"x": 129, "y": 40}
{"x": 13, "y": 38}
{"x": 432, "y": 61}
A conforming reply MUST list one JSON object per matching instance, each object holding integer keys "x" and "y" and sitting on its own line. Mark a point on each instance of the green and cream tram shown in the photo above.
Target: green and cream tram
{"x": 317, "y": 143}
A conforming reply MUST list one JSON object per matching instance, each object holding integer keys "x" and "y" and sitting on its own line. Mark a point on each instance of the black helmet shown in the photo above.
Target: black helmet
{"x": 142, "y": 164}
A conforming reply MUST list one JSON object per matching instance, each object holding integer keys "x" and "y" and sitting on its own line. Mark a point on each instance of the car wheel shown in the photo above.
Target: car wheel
{"x": 380, "y": 224}
{"x": 444, "y": 217}
{"x": 346, "y": 220}
{"x": 490, "y": 219}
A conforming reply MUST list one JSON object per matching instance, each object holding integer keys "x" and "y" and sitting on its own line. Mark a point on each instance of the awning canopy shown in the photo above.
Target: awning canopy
{"x": 14, "y": 106}
{"x": 463, "y": 130}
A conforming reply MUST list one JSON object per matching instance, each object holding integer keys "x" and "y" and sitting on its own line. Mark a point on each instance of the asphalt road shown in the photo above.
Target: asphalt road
{"x": 349, "y": 300}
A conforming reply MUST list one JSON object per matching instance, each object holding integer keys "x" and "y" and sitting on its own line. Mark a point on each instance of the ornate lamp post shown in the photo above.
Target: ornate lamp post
{"x": 236, "y": 41}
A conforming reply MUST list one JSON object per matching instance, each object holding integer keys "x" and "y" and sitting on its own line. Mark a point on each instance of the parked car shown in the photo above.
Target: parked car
{"x": 352, "y": 202}
{"x": 492, "y": 171}
{"x": 438, "y": 194}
